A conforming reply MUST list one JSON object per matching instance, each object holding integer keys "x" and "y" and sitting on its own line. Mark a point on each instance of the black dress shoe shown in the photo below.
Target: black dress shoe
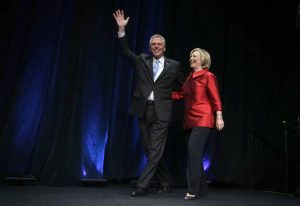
{"x": 138, "y": 192}
{"x": 165, "y": 189}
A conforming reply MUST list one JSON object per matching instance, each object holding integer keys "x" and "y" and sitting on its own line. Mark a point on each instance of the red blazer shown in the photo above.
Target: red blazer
{"x": 202, "y": 99}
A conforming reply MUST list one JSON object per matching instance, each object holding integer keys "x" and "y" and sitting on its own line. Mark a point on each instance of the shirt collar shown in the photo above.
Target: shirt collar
{"x": 161, "y": 59}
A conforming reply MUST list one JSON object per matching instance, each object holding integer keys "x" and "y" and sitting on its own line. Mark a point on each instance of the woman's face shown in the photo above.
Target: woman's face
{"x": 195, "y": 60}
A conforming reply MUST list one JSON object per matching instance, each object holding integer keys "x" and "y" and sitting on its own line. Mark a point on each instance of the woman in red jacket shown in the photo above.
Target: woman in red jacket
{"x": 203, "y": 111}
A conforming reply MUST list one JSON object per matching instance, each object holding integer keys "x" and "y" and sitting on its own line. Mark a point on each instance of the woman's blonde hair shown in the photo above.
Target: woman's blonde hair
{"x": 204, "y": 56}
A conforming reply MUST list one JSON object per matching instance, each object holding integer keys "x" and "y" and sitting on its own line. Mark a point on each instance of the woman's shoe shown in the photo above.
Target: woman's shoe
{"x": 189, "y": 196}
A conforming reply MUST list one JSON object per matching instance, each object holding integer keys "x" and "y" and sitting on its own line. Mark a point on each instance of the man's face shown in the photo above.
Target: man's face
{"x": 157, "y": 47}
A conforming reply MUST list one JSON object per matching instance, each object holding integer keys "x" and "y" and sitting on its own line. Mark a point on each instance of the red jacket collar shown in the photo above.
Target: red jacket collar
{"x": 198, "y": 73}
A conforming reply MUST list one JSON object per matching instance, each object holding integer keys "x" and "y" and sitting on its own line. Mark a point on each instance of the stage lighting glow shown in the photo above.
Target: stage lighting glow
{"x": 206, "y": 163}
{"x": 94, "y": 145}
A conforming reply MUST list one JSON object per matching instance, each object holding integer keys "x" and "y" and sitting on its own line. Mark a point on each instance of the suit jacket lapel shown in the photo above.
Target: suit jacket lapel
{"x": 149, "y": 66}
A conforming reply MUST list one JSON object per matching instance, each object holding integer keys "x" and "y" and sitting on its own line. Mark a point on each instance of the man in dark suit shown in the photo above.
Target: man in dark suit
{"x": 151, "y": 102}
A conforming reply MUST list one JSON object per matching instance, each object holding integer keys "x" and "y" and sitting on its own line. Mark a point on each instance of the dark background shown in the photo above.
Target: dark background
{"x": 65, "y": 89}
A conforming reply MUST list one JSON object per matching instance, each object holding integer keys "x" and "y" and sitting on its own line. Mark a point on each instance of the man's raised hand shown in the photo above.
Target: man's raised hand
{"x": 120, "y": 19}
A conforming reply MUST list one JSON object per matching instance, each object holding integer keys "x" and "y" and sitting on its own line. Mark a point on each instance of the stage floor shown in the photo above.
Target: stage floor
{"x": 119, "y": 194}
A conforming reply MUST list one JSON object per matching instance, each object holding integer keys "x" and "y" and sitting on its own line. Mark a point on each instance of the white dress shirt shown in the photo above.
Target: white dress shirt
{"x": 161, "y": 67}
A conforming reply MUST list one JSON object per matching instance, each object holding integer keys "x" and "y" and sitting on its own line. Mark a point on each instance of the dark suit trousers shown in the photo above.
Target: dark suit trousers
{"x": 154, "y": 136}
{"x": 196, "y": 142}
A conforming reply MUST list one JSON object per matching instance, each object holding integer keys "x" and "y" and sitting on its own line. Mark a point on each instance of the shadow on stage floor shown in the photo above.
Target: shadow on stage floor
{"x": 119, "y": 194}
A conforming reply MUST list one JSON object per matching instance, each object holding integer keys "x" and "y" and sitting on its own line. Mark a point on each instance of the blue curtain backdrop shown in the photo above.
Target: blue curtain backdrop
{"x": 65, "y": 89}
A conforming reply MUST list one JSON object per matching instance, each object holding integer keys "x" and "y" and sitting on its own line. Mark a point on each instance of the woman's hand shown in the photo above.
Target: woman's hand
{"x": 219, "y": 121}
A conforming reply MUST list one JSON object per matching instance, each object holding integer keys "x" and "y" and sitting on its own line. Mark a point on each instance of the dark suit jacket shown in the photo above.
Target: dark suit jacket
{"x": 162, "y": 87}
